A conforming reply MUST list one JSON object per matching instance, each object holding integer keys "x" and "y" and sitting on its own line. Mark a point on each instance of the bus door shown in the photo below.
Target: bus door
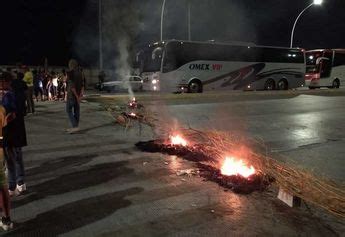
{"x": 325, "y": 67}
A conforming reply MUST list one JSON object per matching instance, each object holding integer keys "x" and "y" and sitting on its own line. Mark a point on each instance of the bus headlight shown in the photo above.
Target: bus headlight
{"x": 154, "y": 81}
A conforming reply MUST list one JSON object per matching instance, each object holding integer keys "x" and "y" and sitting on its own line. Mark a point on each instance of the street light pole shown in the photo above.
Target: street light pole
{"x": 162, "y": 17}
{"x": 189, "y": 28}
{"x": 315, "y": 2}
{"x": 100, "y": 35}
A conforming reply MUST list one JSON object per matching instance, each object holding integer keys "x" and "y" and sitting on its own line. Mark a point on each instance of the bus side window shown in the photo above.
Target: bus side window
{"x": 339, "y": 59}
{"x": 169, "y": 64}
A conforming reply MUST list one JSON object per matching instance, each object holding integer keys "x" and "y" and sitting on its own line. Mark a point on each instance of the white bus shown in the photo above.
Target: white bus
{"x": 185, "y": 66}
{"x": 325, "y": 68}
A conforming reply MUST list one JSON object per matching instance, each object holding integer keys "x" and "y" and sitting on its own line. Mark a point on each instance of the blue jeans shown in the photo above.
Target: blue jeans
{"x": 73, "y": 111}
{"x": 15, "y": 166}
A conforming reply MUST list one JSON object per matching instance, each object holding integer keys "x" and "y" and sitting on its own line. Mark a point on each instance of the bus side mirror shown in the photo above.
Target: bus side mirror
{"x": 157, "y": 53}
{"x": 321, "y": 59}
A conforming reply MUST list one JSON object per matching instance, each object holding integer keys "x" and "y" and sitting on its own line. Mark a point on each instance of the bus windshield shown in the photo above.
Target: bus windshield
{"x": 311, "y": 59}
{"x": 150, "y": 59}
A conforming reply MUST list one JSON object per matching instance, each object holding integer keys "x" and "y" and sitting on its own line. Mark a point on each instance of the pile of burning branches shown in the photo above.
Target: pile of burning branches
{"x": 216, "y": 154}
{"x": 132, "y": 112}
{"x": 230, "y": 173}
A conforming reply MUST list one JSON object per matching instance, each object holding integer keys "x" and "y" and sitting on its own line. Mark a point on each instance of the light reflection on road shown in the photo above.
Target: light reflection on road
{"x": 175, "y": 163}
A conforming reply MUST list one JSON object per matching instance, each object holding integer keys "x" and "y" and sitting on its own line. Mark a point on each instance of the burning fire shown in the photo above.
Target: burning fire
{"x": 178, "y": 140}
{"x": 233, "y": 167}
{"x": 133, "y": 102}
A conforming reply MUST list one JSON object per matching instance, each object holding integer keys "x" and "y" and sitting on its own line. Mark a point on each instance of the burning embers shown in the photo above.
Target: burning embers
{"x": 231, "y": 166}
{"x": 133, "y": 107}
{"x": 232, "y": 173}
{"x": 178, "y": 140}
{"x": 133, "y": 104}
{"x": 133, "y": 112}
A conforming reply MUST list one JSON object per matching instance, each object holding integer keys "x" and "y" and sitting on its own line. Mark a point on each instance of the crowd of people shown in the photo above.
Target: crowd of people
{"x": 20, "y": 88}
{"x": 42, "y": 84}
{"x": 50, "y": 86}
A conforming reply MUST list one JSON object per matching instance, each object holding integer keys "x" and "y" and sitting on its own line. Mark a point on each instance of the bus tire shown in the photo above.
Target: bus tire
{"x": 269, "y": 85}
{"x": 283, "y": 84}
{"x": 195, "y": 86}
{"x": 336, "y": 84}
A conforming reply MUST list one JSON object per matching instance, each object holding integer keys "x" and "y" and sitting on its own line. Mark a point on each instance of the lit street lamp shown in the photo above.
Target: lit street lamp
{"x": 315, "y": 2}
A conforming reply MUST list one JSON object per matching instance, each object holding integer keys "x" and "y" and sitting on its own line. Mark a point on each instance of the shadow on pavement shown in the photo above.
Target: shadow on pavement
{"x": 76, "y": 146}
{"x": 96, "y": 127}
{"x": 95, "y": 175}
{"x": 74, "y": 215}
{"x": 67, "y": 161}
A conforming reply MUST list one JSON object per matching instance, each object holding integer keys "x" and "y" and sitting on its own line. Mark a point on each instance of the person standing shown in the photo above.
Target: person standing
{"x": 38, "y": 90}
{"x": 29, "y": 80}
{"x": 75, "y": 90}
{"x": 54, "y": 85}
{"x": 101, "y": 78}
{"x": 64, "y": 85}
{"x": 14, "y": 135}
{"x": 6, "y": 222}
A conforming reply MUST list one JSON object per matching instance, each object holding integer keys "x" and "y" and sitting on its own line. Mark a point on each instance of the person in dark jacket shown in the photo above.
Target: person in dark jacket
{"x": 75, "y": 90}
{"x": 38, "y": 85}
{"x": 5, "y": 221}
{"x": 15, "y": 135}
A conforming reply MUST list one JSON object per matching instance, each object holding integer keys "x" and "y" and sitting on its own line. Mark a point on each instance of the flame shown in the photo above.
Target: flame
{"x": 178, "y": 140}
{"x": 233, "y": 167}
{"x": 132, "y": 102}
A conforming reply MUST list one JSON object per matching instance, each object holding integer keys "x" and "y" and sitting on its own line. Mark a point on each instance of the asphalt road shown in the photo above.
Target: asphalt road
{"x": 307, "y": 129}
{"x": 97, "y": 183}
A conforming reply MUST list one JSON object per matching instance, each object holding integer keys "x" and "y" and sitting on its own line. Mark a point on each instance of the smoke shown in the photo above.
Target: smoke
{"x": 123, "y": 69}
{"x": 122, "y": 21}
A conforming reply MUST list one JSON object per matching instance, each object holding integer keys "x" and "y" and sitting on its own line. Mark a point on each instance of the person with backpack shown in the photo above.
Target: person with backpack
{"x": 29, "y": 80}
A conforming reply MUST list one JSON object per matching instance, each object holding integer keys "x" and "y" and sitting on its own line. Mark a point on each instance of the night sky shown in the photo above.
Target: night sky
{"x": 60, "y": 29}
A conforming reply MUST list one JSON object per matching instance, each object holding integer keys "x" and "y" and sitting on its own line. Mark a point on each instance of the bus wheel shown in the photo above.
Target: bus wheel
{"x": 336, "y": 83}
{"x": 283, "y": 84}
{"x": 269, "y": 85}
{"x": 195, "y": 86}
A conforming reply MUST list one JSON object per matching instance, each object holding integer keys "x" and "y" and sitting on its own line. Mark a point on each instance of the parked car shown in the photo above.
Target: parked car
{"x": 136, "y": 83}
